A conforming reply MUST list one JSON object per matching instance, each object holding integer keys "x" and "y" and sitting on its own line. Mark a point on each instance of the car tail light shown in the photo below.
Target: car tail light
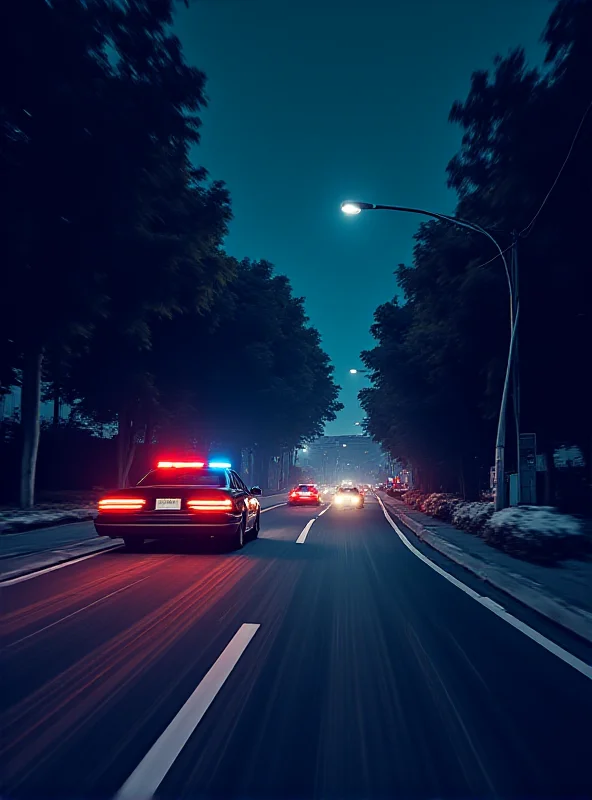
{"x": 294, "y": 494}
{"x": 121, "y": 504}
{"x": 222, "y": 504}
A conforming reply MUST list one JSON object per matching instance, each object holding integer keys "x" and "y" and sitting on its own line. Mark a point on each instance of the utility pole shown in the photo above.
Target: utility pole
{"x": 515, "y": 361}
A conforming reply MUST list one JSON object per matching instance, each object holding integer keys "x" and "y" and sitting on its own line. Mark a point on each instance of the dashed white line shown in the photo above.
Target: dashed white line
{"x": 324, "y": 511}
{"x": 302, "y": 538}
{"x": 494, "y": 607}
{"x": 152, "y": 769}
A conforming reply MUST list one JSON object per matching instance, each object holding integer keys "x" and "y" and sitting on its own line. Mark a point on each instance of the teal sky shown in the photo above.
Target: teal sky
{"x": 317, "y": 101}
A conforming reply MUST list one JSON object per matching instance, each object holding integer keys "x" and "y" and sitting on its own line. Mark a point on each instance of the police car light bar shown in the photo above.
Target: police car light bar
{"x": 220, "y": 464}
{"x": 180, "y": 464}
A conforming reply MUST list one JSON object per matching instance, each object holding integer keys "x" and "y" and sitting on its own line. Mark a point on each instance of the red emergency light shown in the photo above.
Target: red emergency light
{"x": 180, "y": 464}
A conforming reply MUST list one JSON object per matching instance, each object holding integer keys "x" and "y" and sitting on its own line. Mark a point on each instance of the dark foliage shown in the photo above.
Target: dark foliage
{"x": 440, "y": 357}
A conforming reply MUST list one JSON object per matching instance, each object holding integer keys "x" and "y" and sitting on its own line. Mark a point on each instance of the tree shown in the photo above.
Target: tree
{"x": 251, "y": 373}
{"x": 430, "y": 402}
{"x": 438, "y": 366}
{"x": 502, "y": 118}
{"x": 107, "y": 218}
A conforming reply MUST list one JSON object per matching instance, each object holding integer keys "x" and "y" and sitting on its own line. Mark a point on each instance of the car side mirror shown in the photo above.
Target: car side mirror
{"x": 256, "y": 490}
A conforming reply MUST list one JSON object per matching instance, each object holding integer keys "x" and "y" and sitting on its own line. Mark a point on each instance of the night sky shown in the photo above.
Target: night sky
{"x": 317, "y": 101}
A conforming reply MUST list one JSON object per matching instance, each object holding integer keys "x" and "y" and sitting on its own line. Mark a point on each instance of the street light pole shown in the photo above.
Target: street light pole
{"x": 511, "y": 366}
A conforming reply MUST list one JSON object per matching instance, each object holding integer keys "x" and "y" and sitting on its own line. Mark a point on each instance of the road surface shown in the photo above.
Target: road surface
{"x": 324, "y": 660}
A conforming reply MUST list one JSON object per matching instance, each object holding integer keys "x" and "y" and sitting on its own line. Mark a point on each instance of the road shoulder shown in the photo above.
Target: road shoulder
{"x": 554, "y": 608}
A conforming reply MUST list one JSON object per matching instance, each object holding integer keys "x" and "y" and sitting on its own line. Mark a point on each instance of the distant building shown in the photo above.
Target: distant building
{"x": 332, "y": 459}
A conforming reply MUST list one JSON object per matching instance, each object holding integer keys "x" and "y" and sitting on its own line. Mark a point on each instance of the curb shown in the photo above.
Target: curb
{"x": 67, "y": 519}
{"x": 578, "y": 622}
{"x": 41, "y": 561}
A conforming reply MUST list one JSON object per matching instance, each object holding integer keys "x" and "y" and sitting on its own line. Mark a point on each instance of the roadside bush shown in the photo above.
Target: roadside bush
{"x": 414, "y": 497}
{"x": 472, "y": 517}
{"x": 536, "y": 533}
{"x": 440, "y": 505}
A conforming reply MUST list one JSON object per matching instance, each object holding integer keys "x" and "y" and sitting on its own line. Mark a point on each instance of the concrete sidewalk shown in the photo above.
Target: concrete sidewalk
{"x": 562, "y": 593}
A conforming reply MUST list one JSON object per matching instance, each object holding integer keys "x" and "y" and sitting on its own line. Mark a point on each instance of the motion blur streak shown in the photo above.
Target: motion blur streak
{"x": 57, "y": 710}
{"x": 75, "y": 594}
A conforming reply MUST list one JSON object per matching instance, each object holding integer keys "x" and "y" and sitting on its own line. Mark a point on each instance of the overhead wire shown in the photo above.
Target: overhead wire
{"x": 526, "y": 231}
{"x": 497, "y": 255}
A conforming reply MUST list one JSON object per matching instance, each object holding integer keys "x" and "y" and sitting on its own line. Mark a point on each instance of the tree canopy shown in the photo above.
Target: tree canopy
{"x": 113, "y": 239}
{"x": 525, "y": 165}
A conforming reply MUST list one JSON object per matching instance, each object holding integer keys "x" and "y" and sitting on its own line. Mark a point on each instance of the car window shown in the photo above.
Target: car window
{"x": 237, "y": 482}
{"x": 241, "y": 483}
{"x": 305, "y": 488}
{"x": 184, "y": 477}
{"x": 348, "y": 489}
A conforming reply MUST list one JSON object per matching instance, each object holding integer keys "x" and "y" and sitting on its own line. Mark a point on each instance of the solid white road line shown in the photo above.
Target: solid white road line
{"x": 73, "y": 614}
{"x": 152, "y": 769}
{"x": 496, "y": 609}
{"x": 270, "y": 508}
{"x": 61, "y": 565}
{"x": 302, "y": 538}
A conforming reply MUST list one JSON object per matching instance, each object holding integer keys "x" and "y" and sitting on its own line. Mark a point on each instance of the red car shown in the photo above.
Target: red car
{"x": 182, "y": 499}
{"x": 304, "y": 494}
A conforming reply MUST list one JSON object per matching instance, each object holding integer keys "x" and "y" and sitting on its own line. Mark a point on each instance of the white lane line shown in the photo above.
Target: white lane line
{"x": 302, "y": 538}
{"x": 73, "y": 614}
{"x": 496, "y": 609}
{"x": 152, "y": 769}
{"x": 270, "y": 508}
{"x": 30, "y": 575}
{"x": 324, "y": 511}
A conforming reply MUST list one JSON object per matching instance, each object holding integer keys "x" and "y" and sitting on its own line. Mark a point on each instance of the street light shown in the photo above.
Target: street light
{"x": 353, "y": 207}
{"x": 358, "y": 372}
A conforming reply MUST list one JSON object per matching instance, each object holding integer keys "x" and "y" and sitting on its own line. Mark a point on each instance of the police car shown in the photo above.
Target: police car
{"x": 195, "y": 499}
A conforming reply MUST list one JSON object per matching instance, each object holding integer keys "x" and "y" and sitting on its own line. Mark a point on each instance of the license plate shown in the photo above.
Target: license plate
{"x": 168, "y": 504}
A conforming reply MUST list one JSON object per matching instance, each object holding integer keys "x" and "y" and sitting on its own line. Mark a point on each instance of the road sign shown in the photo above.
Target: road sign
{"x": 528, "y": 463}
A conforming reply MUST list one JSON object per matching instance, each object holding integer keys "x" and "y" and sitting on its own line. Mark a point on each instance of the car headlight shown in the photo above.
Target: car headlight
{"x": 339, "y": 500}
{"x": 355, "y": 501}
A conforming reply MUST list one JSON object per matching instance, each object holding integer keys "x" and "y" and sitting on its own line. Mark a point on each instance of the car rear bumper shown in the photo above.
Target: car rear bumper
{"x": 307, "y": 502}
{"x": 188, "y": 526}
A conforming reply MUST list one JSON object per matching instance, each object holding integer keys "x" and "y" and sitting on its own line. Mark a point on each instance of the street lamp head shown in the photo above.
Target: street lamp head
{"x": 353, "y": 372}
{"x": 351, "y": 208}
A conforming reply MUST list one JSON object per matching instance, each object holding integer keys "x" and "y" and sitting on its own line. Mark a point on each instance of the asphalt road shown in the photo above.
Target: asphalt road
{"x": 341, "y": 666}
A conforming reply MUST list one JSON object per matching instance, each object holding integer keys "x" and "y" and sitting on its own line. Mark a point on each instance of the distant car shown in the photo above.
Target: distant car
{"x": 304, "y": 494}
{"x": 182, "y": 499}
{"x": 348, "y": 497}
